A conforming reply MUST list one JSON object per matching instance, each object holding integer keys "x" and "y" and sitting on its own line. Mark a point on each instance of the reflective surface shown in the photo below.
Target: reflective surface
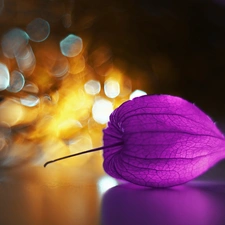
{"x": 38, "y": 196}
{"x": 57, "y": 195}
{"x": 197, "y": 203}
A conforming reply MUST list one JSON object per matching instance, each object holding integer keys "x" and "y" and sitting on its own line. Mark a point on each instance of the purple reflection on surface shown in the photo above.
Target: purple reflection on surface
{"x": 195, "y": 204}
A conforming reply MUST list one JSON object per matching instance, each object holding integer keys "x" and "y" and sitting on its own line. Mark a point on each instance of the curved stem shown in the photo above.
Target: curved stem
{"x": 84, "y": 152}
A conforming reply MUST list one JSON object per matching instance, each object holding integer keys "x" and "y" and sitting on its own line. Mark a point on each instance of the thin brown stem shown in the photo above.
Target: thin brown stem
{"x": 81, "y": 153}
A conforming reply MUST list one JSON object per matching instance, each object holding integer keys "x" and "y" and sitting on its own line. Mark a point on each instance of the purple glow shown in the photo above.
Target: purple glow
{"x": 167, "y": 141}
{"x": 192, "y": 204}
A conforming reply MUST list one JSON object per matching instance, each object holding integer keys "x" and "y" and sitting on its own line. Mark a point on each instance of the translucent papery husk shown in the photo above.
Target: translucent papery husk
{"x": 166, "y": 140}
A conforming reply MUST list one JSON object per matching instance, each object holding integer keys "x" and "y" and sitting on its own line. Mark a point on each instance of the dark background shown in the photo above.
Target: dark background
{"x": 178, "y": 45}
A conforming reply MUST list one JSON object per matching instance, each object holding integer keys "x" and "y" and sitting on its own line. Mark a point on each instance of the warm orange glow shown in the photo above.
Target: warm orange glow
{"x": 63, "y": 105}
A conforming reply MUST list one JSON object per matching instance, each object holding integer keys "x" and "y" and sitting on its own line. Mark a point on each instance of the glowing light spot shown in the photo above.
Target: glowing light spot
{"x": 60, "y": 67}
{"x": 112, "y": 88}
{"x": 11, "y": 112}
{"x": 4, "y": 77}
{"x": 26, "y": 60}
{"x": 13, "y": 41}
{"x": 105, "y": 183}
{"x": 137, "y": 93}
{"x": 92, "y": 87}
{"x": 31, "y": 88}
{"x": 38, "y": 30}
{"x": 101, "y": 110}
{"x": 71, "y": 45}
{"x": 68, "y": 129}
{"x": 17, "y": 82}
{"x": 30, "y": 101}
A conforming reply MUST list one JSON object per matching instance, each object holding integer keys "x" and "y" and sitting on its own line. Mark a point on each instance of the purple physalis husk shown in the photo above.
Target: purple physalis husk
{"x": 166, "y": 141}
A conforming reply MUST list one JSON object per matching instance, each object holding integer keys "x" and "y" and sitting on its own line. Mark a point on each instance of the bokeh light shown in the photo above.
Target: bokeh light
{"x": 56, "y": 96}
{"x": 68, "y": 129}
{"x": 112, "y": 88}
{"x": 13, "y": 41}
{"x": 17, "y": 81}
{"x": 31, "y": 88}
{"x": 26, "y": 60}
{"x": 92, "y": 87}
{"x": 60, "y": 66}
{"x": 38, "y": 30}
{"x": 105, "y": 183}
{"x": 71, "y": 45}
{"x": 29, "y": 101}
{"x": 101, "y": 110}
{"x": 4, "y": 77}
{"x": 11, "y": 112}
{"x": 137, "y": 93}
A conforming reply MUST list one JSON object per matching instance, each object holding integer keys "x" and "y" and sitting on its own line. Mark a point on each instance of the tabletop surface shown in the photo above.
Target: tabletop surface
{"x": 38, "y": 196}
